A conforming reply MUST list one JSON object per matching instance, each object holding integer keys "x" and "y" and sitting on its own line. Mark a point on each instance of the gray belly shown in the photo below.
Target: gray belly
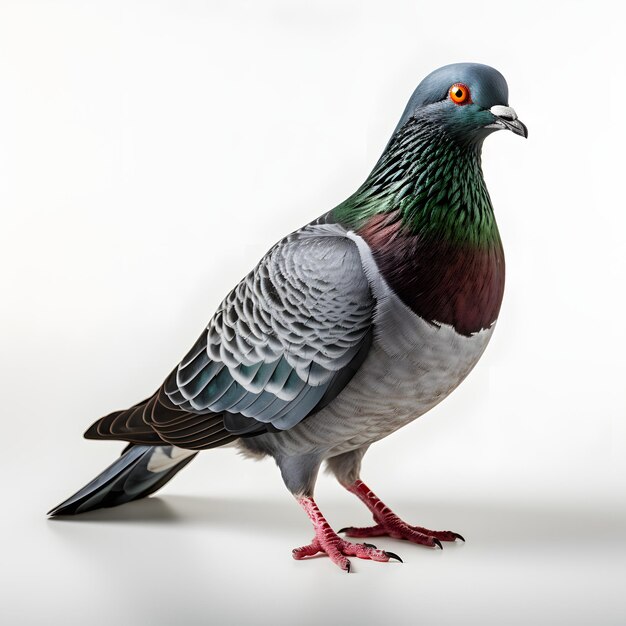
{"x": 389, "y": 391}
{"x": 412, "y": 365}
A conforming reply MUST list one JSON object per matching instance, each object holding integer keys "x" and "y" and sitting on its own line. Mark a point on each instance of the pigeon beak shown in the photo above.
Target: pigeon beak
{"x": 506, "y": 117}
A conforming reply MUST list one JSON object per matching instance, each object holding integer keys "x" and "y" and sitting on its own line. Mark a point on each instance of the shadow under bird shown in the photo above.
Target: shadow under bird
{"x": 346, "y": 330}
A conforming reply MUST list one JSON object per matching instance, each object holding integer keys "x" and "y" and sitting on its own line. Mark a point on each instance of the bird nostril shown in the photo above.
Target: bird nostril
{"x": 504, "y": 112}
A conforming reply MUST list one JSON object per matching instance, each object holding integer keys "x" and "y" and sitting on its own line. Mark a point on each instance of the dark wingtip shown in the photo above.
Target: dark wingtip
{"x": 57, "y": 512}
{"x": 92, "y": 432}
{"x": 65, "y": 508}
{"x": 60, "y": 509}
{"x": 393, "y": 555}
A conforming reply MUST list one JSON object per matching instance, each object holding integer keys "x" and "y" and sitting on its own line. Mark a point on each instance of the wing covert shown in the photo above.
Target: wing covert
{"x": 287, "y": 338}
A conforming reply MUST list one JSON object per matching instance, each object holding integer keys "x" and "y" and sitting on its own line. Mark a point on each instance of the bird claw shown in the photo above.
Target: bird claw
{"x": 393, "y": 526}
{"x": 339, "y": 549}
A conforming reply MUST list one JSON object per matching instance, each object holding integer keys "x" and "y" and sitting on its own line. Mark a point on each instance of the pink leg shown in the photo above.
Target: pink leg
{"x": 326, "y": 540}
{"x": 388, "y": 523}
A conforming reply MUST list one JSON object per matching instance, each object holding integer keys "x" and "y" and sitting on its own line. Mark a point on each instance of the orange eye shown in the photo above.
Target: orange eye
{"x": 460, "y": 94}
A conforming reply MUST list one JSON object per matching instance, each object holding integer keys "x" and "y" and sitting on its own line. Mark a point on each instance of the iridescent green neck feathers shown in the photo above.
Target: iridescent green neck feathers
{"x": 429, "y": 181}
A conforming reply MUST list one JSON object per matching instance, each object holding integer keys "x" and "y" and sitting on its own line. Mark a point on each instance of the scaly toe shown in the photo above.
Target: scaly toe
{"x": 365, "y": 532}
{"x": 338, "y": 550}
{"x": 309, "y": 550}
{"x": 442, "y": 535}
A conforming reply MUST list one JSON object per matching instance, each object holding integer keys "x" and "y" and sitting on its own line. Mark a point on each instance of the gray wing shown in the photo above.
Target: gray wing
{"x": 286, "y": 340}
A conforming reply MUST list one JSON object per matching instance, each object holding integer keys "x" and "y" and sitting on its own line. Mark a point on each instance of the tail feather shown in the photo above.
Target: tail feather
{"x": 140, "y": 471}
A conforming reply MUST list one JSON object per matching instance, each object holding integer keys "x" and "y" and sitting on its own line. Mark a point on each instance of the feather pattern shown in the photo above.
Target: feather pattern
{"x": 412, "y": 365}
{"x": 285, "y": 336}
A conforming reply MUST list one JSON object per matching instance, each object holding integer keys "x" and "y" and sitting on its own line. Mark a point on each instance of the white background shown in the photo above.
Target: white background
{"x": 150, "y": 153}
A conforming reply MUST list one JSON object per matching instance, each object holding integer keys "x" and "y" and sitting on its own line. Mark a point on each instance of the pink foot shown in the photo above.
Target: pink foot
{"x": 389, "y": 524}
{"x": 398, "y": 529}
{"x": 337, "y": 549}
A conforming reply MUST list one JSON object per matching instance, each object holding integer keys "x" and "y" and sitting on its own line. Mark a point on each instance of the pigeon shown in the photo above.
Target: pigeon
{"x": 347, "y": 329}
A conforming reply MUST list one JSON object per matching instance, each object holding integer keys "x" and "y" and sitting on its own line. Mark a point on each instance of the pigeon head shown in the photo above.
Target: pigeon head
{"x": 466, "y": 100}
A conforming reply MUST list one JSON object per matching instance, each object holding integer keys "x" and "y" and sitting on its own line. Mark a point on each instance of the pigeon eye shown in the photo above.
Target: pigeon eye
{"x": 460, "y": 93}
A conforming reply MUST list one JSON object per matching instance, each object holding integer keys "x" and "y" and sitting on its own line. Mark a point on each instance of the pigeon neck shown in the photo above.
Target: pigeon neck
{"x": 431, "y": 184}
{"x": 426, "y": 216}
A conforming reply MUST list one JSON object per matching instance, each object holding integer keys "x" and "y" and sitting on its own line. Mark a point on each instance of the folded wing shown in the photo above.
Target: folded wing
{"x": 281, "y": 345}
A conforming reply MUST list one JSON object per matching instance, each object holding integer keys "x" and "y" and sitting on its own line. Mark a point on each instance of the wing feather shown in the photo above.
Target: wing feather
{"x": 281, "y": 345}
